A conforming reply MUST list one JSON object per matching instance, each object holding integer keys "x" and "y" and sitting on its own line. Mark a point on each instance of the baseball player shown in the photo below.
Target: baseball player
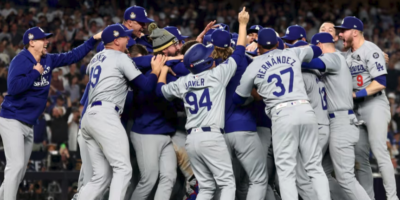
{"x": 241, "y": 136}
{"x": 277, "y": 77}
{"x": 175, "y": 31}
{"x": 107, "y": 142}
{"x": 150, "y": 134}
{"x": 294, "y": 34}
{"x": 343, "y": 129}
{"x": 28, "y": 85}
{"x": 203, "y": 93}
{"x": 252, "y": 33}
{"x": 367, "y": 67}
{"x": 135, "y": 18}
{"x": 316, "y": 93}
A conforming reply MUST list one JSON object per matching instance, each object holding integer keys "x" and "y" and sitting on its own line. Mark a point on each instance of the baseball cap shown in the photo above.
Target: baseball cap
{"x": 267, "y": 36}
{"x": 235, "y": 35}
{"x": 137, "y": 13}
{"x": 207, "y": 37}
{"x": 294, "y": 32}
{"x": 297, "y": 44}
{"x": 322, "y": 38}
{"x": 351, "y": 23}
{"x": 112, "y": 32}
{"x": 221, "y": 38}
{"x": 233, "y": 42}
{"x": 223, "y": 27}
{"x": 197, "y": 58}
{"x": 281, "y": 46}
{"x": 254, "y": 29}
{"x": 35, "y": 33}
{"x": 175, "y": 31}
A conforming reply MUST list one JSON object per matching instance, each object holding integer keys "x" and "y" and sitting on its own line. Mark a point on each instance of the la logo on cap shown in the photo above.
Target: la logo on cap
{"x": 115, "y": 33}
{"x": 342, "y": 21}
{"x": 41, "y": 29}
{"x": 30, "y": 36}
{"x": 145, "y": 13}
{"x": 257, "y": 28}
{"x": 287, "y": 31}
{"x": 268, "y": 43}
{"x": 179, "y": 32}
{"x": 133, "y": 16}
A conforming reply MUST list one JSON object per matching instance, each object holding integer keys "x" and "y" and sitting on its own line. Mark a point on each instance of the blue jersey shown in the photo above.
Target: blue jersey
{"x": 261, "y": 117}
{"x": 155, "y": 115}
{"x": 144, "y": 40}
{"x": 28, "y": 89}
{"x": 238, "y": 118}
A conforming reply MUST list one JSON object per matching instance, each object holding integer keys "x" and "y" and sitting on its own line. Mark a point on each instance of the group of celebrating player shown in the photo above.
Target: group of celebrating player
{"x": 253, "y": 104}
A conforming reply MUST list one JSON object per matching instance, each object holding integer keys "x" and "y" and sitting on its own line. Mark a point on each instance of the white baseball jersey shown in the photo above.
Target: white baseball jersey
{"x": 203, "y": 95}
{"x": 109, "y": 72}
{"x": 366, "y": 63}
{"x": 338, "y": 82}
{"x": 277, "y": 76}
{"x": 316, "y": 93}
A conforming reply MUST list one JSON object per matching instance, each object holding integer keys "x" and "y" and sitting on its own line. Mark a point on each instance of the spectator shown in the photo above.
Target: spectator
{"x": 40, "y": 140}
{"x": 16, "y": 37}
{"x": 1, "y": 99}
{"x": 59, "y": 122}
{"x": 3, "y": 78}
{"x": 393, "y": 77}
{"x": 5, "y": 34}
{"x": 7, "y": 10}
{"x": 73, "y": 128}
{"x": 57, "y": 84}
{"x": 73, "y": 89}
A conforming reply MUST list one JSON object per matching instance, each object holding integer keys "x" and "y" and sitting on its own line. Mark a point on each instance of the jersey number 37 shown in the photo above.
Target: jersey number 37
{"x": 95, "y": 75}
{"x": 279, "y": 81}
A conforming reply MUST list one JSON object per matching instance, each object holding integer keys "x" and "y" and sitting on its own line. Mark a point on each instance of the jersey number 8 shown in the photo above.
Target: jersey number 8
{"x": 191, "y": 99}
{"x": 95, "y": 75}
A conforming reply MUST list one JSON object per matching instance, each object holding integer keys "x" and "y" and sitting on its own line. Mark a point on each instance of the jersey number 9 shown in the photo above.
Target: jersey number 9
{"x": 95, "y": 75}
{"x": 191, "y": 99}
{"x": 360, "y": 81}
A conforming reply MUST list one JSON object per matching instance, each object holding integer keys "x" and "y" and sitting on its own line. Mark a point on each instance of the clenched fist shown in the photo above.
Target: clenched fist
{"x": 38, "y": 67}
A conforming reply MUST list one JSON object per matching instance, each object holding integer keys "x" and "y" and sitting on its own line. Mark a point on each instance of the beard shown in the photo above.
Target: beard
{"x": 348, "y": 44}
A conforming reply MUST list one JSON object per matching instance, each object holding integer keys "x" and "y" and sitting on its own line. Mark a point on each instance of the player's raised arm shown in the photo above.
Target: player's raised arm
{"x": 239, "y": 52}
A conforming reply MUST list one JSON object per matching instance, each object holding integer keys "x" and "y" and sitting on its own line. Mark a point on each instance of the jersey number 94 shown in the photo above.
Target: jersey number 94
{"x": 191, "y": 99}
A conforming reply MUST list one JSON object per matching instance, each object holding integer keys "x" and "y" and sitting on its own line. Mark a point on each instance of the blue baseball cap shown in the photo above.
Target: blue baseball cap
{"x": 209, "y": 32}
{"x": 254, "y": 29}
{"x": 297, "y": 44}
{"x": 294, "y": 32}
{"x": 281, "y": 46}
{"x": 221, "y": 38}
{"x": 322, "y": 38}
{"x": 112, "y": 32}
{"x": 35, "y": 33}
{"x": 197, "y": 58}
{"x": 233, "y": 42}
{"x": 223, "y": 27}
{"x": 234, "y": 35}
{"x": 207, "y": 40}
{"x": 351, "y": 23}
{"x": 137, "y": 13}
{"x": 267, "y": 36}
{"x": 175, "y": 31}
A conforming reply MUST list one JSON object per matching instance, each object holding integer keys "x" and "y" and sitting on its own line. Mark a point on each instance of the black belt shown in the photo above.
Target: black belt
{"x": 98, "y": 103}
{"x": 26, "y": 124}
{"x": 332, "y": 115}
{"x": 205, "y": 129}
{"x": 360, "y": 100}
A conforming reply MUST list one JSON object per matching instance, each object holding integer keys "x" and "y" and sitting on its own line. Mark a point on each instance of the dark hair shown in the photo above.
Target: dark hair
{"x": 137, "y": 49}
{"x": 187, "y": 45}
{"x": 269, "y": 46}
{"x": 26, "y": 46}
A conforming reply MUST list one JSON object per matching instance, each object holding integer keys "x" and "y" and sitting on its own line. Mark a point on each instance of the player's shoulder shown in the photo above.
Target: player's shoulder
{"x": 370, "y": 48}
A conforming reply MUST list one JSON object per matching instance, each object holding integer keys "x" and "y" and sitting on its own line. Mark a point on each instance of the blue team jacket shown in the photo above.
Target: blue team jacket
{"x": 145, "y": 42}
{"x": 155, "y": 115}
{"x": 238, "y": 118}
{"x": 27, "y": 89}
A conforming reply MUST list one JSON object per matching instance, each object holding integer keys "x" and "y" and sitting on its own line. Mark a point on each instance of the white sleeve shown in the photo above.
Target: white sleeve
{"x": 225, "y": 71}
{"x": 128, "y": 67}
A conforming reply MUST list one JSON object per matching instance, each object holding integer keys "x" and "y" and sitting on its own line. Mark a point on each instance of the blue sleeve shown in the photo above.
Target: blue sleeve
{"x": 180, "y": 69}
{"x": 159, "y": 91}
{"x": 143, "y": 62}
{"x": 381, "y": 79}
{"x": 63, "y": 59}
{"x": 85, "y": 94}
{"x": 315, "y": 63}
{"x": 238, "y": 54}
{"x": 317, "y": 51}
{"x": 171, "y": 63}
{"x": 20, "y": 78}
{"x": 100, "y": 47}
{"x": 144, "y": 83}
{"x": 238, "y": 100}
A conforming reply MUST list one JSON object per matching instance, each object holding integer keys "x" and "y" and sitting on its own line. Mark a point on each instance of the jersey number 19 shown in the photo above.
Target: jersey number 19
{"x": 95, "y": 75}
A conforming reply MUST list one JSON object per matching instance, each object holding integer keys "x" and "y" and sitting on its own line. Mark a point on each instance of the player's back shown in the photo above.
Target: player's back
{"x": 316, "y": 93}
{"x": 338, "y": 82}
{"x": 278, "y": 75}
{"x": 107, "y": 77}
{"x": 204, "y": 95}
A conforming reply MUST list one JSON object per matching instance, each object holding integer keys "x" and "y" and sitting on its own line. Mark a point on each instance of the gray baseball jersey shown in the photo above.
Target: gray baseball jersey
{"x": 338, "y": 82}
{"x": 316, "y": 92}
{"x": 108, "y": 79}
{"x": 366, "y": 63}
{"x": 275, "y": 74}
{"x": 203, "y": 95}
